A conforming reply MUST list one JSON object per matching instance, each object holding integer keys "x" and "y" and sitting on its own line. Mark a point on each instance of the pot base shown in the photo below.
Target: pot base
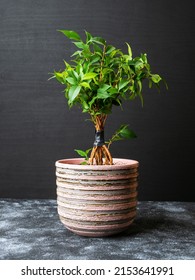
{"x": 96, "y": 233}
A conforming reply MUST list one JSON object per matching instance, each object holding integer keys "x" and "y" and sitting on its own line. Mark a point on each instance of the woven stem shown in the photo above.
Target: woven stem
{"x": 100, "y": 154}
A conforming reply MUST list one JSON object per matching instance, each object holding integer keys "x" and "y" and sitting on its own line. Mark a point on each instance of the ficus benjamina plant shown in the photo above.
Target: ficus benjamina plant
{"x": 99, "y": 77}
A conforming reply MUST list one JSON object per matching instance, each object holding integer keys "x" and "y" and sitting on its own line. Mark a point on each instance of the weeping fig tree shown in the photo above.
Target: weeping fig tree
{"x": 98, "y": 77}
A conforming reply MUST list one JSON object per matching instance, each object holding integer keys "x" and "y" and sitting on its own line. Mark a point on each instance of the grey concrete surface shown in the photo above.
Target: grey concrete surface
{"x": 31, "y": 230}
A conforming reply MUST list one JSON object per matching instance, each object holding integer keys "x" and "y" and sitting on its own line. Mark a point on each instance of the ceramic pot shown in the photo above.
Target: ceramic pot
{"x": 96, "y": 200}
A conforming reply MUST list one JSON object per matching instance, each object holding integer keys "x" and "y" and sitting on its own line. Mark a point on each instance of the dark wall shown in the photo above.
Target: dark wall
{"x": 36, "y": 126}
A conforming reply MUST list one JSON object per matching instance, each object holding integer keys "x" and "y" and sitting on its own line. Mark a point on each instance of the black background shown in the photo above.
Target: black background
{"x": 37, "y": 127}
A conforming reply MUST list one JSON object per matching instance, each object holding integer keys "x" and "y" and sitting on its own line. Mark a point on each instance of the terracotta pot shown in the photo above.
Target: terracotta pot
{"x": 96, "y": 200}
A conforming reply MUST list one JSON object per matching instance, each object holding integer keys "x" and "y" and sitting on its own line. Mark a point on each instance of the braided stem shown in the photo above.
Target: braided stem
{"x": 100, "y": 154}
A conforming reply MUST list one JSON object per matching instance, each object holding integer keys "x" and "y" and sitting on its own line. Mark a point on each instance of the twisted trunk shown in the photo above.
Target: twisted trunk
{"x": 100, "y": 154}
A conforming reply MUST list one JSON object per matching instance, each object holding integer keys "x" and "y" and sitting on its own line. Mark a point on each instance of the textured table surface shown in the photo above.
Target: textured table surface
{"x": 31, "y": 230}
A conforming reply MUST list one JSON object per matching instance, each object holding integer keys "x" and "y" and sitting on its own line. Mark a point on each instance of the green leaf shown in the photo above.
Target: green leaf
{"x": 129, "y": 51}
{"x": 89, "y": 76}
{"x": 126, "y": 133}
{"x": 122, "y": 84}
{"x": 85, "y": 106}
{"x": 71, "y": 34}
{"x": 113, "y": 91}
{"x": 59, "y": 77}
{"x": 71, "y": 80}
{"x": 88, "y": 150}
{"x": 122, "y": 133}
{"x": 139, "y": 65}
{"x": 81, "y": 153}
{"x": 91, "y": 103}
{"x": 73, "y": 93}
{"x": 156, "y": 78}
{"x": 114, "y": 52}
{"x": 94, "y": 59}
{"x": 75, "y": 75}
{"x": 139, "y": 93}
{"x": 85, "y": 85}
{"x": 104, "y": 87}
{"x": 98, "y": 50}
{"x": 88, "y": 36}
{"x": 98, "y": 40}
{"x": 144, "y": 58}
{"x": 81, "y": 45}
{"x": 140, "y": 85}
{"x": 84, "y": 163}
{"x": 109, "y": 49}
{"x": 102, "y": 92}
{"x": 77, "y": 53}
{"x": 79, "y": 69}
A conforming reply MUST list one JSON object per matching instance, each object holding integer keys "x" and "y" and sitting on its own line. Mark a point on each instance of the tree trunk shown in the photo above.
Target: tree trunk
{"x": 100, "y": 154}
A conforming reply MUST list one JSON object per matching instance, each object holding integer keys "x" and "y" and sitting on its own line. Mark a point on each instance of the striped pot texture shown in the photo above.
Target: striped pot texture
{"x": 96, "y": 200}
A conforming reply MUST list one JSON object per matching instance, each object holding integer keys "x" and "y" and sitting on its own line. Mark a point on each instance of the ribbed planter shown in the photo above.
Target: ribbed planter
{"x": 96, "y": 200}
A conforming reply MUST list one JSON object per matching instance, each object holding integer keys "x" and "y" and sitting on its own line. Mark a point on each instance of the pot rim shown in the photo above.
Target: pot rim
{"x": 119, "y": 163}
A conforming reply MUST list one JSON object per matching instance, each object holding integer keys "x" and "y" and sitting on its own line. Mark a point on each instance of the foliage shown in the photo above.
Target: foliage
{"x": 101, "y": 76}
{"x": 122, "y": 133}
{"x": 84, "y": 154}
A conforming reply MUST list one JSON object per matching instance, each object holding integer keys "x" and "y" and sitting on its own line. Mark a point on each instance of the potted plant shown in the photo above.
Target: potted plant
{"x": 97, "y": 194}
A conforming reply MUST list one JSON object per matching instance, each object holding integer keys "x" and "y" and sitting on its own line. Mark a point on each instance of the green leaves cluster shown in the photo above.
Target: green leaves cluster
{"x": 122, "y": 133}
{"x": 100, "y": 75}
{"x": 84, "y": 154}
